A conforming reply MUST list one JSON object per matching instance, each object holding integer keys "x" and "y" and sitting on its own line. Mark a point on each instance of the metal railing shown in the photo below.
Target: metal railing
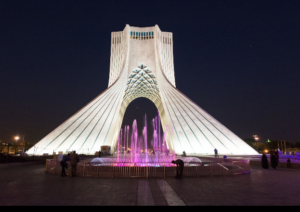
{"x": 153, "y": 170}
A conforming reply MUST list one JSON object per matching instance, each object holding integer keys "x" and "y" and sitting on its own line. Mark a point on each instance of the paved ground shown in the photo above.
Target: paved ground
{"x": 282, "y": 158}
{"x": 32, "y": 186}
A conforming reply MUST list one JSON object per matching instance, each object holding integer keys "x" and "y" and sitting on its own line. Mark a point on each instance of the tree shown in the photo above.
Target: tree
{"x": 258, "y": 146}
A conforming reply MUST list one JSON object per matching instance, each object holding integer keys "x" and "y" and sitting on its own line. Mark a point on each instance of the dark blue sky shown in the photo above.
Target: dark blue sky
{"x": 238, "y": 60}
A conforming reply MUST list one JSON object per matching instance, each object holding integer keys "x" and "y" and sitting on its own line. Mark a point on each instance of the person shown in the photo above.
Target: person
{"x": 183, "y": 154}
{"x": 74, "y": 161}
{"x": 271, "y": 152}
{"x": 179, "y": 168}
{"x": 99, "y": 154}
{"x": 167, "y": 152}
{"x": 276, "y": 153}
{"x": 216, "y": 153}
{"x": 273, "y": 161}
{"x": 63, "y": 164}
{"x": 288, "y": 163}
{"x": 264, "y": 161}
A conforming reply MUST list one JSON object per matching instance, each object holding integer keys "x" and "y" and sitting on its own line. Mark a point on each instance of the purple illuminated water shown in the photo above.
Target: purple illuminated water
{"x": 139, "y": 153}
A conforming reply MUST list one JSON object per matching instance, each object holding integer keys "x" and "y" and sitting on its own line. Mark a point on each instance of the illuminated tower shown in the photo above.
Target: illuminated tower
{"x": 142, "y": 65}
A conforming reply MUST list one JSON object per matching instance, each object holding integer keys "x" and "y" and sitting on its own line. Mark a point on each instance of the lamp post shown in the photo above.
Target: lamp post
{"x": 16, "y": 138}
{"x": 256, "y": 139}
{"x": 7, "y": 152}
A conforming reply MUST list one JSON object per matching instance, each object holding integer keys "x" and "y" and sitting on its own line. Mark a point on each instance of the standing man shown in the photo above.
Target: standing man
{"x": 273, "y": 161}
{"x": 277, "y": 155}
{"x": 264, "y": 161}
{"x": 216, "y": 153}
{"x": 63, "y": 164}
{"x": 74, "y": 161}
{"x": 288, "y": 163}
{"x": 271, "y": 152}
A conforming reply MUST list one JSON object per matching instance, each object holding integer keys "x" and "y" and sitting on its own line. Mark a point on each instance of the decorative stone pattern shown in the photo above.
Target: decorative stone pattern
{"x": 141, "y": 35}
{"x": 142, "y": 83}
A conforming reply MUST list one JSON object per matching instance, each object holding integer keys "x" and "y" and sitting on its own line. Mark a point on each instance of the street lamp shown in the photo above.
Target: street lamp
{"x": 256, "y": 139}
{"x": 16, "y": 138}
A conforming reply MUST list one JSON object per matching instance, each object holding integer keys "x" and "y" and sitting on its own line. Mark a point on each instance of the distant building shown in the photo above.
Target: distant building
{"x": 15, "y": 148}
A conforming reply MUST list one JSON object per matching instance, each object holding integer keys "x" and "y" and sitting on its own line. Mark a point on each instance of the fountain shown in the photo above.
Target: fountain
{"x": 158, "y": 155}
{"x": 135, "y": 158}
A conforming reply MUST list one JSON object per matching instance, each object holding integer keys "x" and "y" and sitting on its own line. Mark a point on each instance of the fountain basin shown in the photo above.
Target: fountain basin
{"x": 109, "y": 168}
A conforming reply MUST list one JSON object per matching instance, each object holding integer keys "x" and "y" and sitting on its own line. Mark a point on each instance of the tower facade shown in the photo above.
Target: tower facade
{"x": 142, "y": 65}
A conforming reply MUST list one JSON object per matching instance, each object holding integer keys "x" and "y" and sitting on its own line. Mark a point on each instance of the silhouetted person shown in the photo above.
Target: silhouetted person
{"x": 63, "y": 164}
{"x": 153, "y": 152}
{"x": 179, "y": 168}
{"x": 271, "y": 152}
{"x": 99, "y": 154}
{"x": 276, "y": 153}
{"x": 74, "y": 161}
{"x": 183, "y": 154}
{"x": 167, "y": 152}
{"x": 288, "y": 163}
{"x": 264, "y": 161}
{"x": 273, "y": 161}
{"x": 216, "y": 153}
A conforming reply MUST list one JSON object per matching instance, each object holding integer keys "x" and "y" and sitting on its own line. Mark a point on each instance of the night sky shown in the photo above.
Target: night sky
{"x": 238, "y": 60}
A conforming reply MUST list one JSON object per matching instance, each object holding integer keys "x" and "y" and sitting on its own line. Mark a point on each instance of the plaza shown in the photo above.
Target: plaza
{"x": 178, "y": 107}
{"x": 32, "y": 186}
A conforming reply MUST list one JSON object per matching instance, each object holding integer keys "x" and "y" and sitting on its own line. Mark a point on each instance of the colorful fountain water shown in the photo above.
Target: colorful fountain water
{"x": 139, "y": 151}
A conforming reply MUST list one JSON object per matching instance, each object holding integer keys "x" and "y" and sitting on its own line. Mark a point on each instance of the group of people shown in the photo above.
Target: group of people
{"x": 74, "y": 159}
{"x": 274, "y": 156}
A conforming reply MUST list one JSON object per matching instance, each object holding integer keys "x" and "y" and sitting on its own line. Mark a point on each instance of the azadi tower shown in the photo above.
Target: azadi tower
{"x": 142, "y": 65}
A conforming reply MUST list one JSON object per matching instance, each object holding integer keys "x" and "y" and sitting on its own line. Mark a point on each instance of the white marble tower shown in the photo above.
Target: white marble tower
{"x": 142, "y": 65}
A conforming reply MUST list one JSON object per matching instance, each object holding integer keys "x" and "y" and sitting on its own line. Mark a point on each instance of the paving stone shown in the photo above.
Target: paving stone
{"x": 170, "y": 195}
{"x": 157, "y": 194}
{"x": 30, "y": 185}
{"x": 144, "y": 194}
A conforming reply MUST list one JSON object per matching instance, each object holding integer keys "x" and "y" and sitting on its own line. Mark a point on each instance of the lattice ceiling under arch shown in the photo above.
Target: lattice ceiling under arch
{"x": 142, "y": 83}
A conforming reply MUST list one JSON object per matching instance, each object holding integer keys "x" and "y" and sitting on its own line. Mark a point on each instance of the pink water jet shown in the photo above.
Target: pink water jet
{"x": 139, "y": 153}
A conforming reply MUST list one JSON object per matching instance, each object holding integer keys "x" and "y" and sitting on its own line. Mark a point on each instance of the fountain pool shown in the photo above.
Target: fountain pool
{"x": 134, "y": 150}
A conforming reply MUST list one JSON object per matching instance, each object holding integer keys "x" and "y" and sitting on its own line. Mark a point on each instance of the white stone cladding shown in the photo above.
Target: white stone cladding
{"x": 142, "y": 65}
